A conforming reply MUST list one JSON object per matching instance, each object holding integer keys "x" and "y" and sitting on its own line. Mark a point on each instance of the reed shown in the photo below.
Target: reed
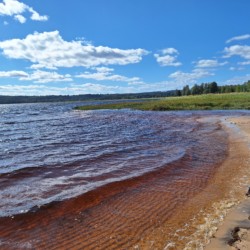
{"x": 196, "y": 102}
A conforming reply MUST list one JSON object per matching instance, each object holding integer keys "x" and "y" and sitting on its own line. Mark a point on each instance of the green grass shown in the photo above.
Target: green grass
{"x": 198, "y": 102}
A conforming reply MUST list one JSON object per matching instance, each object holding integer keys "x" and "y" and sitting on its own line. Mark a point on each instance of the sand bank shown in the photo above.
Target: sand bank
{"x": 234, "y": 232}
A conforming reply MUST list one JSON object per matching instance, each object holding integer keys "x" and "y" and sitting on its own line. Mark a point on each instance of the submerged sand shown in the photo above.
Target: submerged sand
{"x": 234, "y": 232}
{"x": 142, "y": 214}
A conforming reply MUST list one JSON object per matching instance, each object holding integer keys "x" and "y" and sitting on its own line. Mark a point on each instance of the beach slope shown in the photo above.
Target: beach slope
{"x": 234, "y": 232}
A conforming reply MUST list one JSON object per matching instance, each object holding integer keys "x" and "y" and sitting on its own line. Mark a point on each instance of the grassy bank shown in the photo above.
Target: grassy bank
{"x": 198, "y": 102}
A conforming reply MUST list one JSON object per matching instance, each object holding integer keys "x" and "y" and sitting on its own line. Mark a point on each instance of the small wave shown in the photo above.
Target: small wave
{"x": 205, "y": 231}
{"x": 10, "y": 123}
{"x": 24, "y": 138}
{"x": 96, "y": 149}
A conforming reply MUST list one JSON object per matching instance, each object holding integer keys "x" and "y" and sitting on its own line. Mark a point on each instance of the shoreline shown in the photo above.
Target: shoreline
{"x": 234, "y": 231}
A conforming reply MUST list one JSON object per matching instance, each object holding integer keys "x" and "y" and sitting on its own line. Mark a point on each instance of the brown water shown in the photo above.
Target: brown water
{"x": 103, "y": 179}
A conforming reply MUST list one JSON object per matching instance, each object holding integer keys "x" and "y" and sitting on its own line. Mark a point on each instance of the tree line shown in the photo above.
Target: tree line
{"x": 213, "y": 88}
{"x": 85, "y": 97}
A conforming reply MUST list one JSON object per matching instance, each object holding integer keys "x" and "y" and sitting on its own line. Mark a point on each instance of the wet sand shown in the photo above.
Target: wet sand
{"x": 234, "y": 231}
{"x": 147, "y": 212}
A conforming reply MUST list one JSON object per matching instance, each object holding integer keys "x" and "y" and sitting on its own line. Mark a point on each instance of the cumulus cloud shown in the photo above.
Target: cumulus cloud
{"x": 90, "y": 88}
{"x": 96, "y": 88}
{"x": 15, "y": 8}
{"x": 13, "y": 73}
{"x": 12, "y": 7}
{"x": 71, "y": 89}
{"x": 49, "y": 50}
{"x": 168, "y": 57}
{"x": 170, "y": 51}
{"x": 104, "y": 73}
{"x": 36, "y": 16}
{"x": 36, "y": 76}
{"x": 238, "y": 50}
{"x": 209, "y": 64}
{"x": 190, "y": 77}
{"x": 15, "y": 89}
{"x": 238, "y": 38}
{"x": 20, "y": 18}
{"x": 40, "y": 76}
{"x": 179, "y": 79}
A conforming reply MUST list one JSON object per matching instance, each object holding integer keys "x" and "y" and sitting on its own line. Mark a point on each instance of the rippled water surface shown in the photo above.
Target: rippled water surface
{"x": 51, "y": 152}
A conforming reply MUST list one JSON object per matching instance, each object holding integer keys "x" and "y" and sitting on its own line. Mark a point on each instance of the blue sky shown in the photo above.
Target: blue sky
{"x": 121, "y": 46}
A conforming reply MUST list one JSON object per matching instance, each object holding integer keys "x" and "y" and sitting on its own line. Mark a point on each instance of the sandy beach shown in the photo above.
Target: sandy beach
{"x": 234, "y": 231}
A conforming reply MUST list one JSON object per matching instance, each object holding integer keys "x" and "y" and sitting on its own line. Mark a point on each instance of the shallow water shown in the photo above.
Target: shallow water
{"x": 121, "y": 175}
{"x": 50, "y": 152}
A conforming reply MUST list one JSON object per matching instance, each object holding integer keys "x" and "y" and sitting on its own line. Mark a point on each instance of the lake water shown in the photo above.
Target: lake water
{"x": 117, "y": 171}
{"x": 51, "y": 152}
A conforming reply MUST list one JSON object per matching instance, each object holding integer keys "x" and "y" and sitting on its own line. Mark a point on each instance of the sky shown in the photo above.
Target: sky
{"x": 62, "y": 47}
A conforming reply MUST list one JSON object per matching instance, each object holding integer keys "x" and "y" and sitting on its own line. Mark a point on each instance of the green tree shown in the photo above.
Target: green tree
{"x": 213, "y": 87}
{"x": 177, "y": 92}
{"x": 195, "y": 90}
{"x": 186, "y": 90}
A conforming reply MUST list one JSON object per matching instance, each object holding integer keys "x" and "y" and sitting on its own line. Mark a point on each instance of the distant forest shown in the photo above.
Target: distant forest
{"x": 87, "y": 97}
{"x": 213, "y": 88}
{"x": 204, "y": 88}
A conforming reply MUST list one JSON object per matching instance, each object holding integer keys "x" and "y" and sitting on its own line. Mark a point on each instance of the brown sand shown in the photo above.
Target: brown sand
{"x": 234, "y": 233}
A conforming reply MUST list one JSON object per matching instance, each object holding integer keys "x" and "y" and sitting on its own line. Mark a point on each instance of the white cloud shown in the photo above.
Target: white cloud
{"x": 236, "y": 68}
{"x": 13, "y": 73}
{"x": 168, "y": 57}
{"x": 16, "y": 8}
{"x": 20, "y": 18}
{"x": 170, "y": 51}
{"x": 238, "y": 38}
{"x": 46, "y": 77}
{"x": 85, "y": 88}
{"x": 238, "y": 50}
{"x": 167, "y": 60}
{"x": 36, "y": 17}
{"x": 12, "y": 7}
{"x": 95, "y": 88}
{"x": 179, "y": 80}
{"x": 91, "y": 88}
{"x": 237, "y": 80}
{"x": 103, "y": 69}
{"x": 104, "y": 73}
{"x": 5, "y": 23}
{"x": 49, "y": 50}
{"x": 190, "y": 77}
{"x": 36, "y": 76}
{"x": 209, "y": 64}
{"x": 244, "y": 63}
{"x": 72, "y": 89}
{"x": 33, "y": 90}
